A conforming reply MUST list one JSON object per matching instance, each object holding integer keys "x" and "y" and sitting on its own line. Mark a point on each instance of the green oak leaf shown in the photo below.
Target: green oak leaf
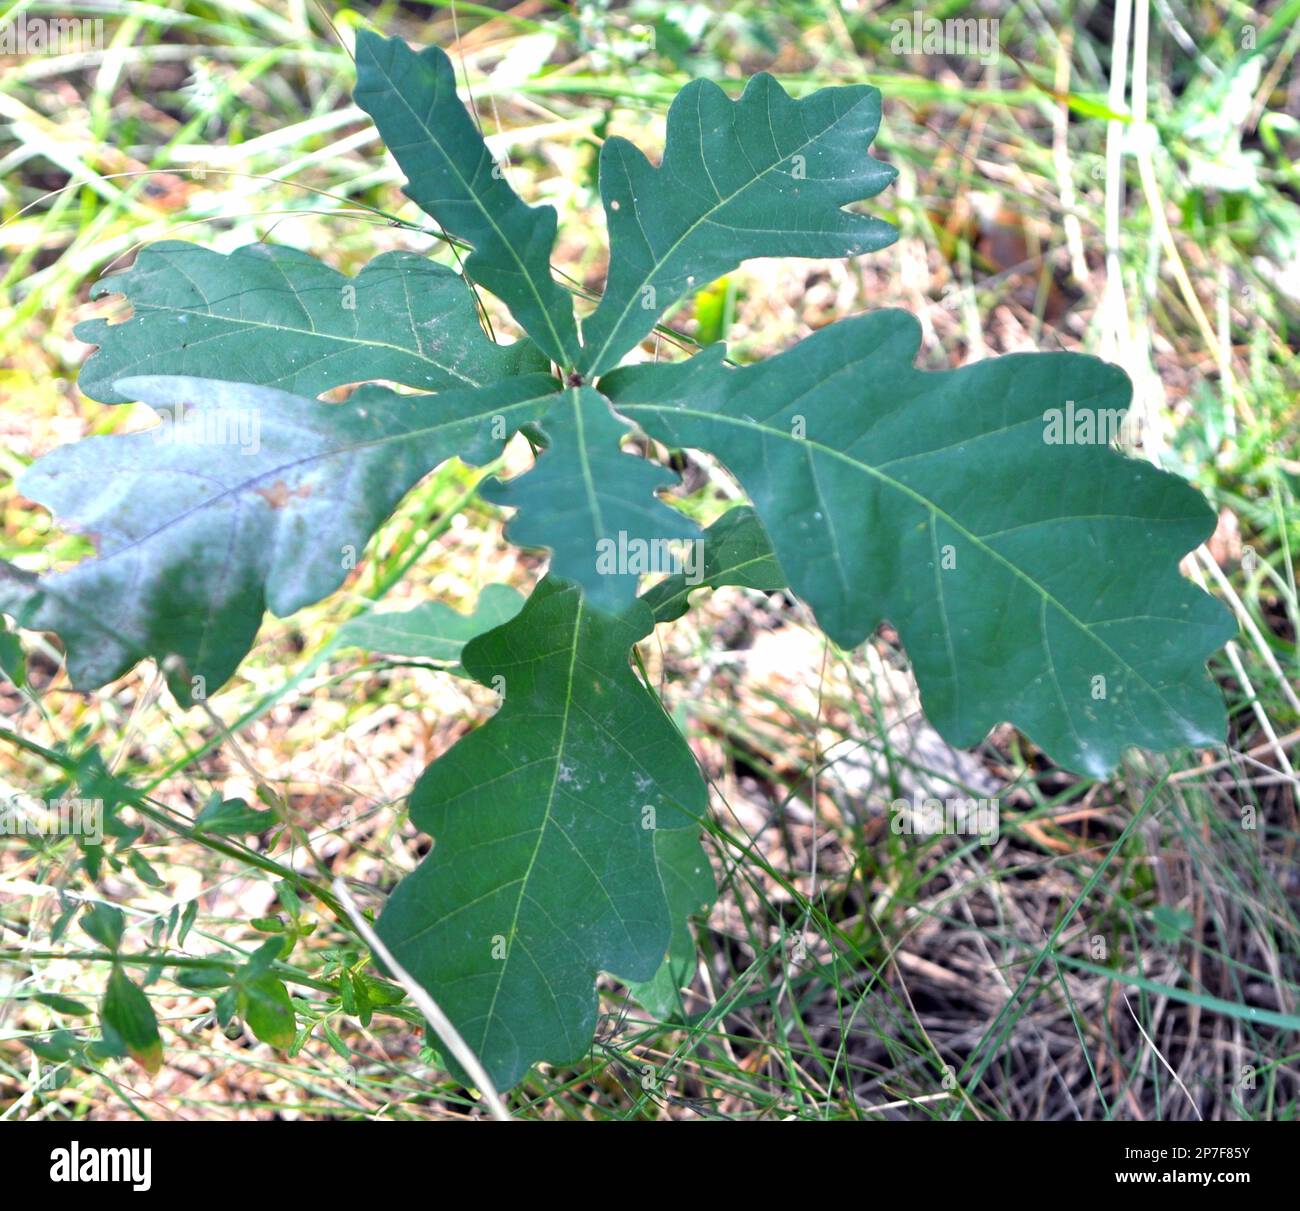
{"x": 453, "y": 177}
{"x": 593, "y": 505}
{"x": 545, "y": 820}
{"x": 736, "y": 552}
{"x": 1028, "y": 581}
{"x": 431, "y": 630}
{"x": 763, "y": 176}
{"x": 690, "y": 889}
{"x": 280, "y": 318}
{"x": 249, "y": 499}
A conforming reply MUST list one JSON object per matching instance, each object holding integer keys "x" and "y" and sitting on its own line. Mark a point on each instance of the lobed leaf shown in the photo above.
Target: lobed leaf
{"x": 431, "y": 630}
{"x": 546, "y": 824}
{"x": 453, "y": 177}
{"x": 689, "y": 888}
{"x": 736, "y": 552}
{"x": 593, "y": 505}
{"x": 1029, "y": 581}
{"x": 763, "y": 176}
{"x": 277, "y": 317}
{"x": 249, "y": 499}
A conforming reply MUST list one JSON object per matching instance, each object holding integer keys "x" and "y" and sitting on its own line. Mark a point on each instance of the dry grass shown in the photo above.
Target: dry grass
{"x": 1123, "y": 949}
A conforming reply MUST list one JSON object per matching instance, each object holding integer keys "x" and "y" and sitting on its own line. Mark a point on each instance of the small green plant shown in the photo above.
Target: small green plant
{"x": 1030, "y": 569}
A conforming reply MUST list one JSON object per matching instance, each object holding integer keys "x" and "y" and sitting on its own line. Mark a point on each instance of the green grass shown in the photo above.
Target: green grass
{"x": 1125, "y": 949}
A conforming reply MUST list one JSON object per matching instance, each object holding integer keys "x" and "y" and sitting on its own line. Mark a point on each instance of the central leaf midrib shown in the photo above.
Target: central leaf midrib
{"x": 546, "y": 819}
{"x": 593, "y": 500}
{"x": 313, "y": 332}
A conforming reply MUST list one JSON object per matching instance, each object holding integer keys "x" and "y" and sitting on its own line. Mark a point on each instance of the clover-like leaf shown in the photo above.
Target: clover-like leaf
{"x": 280, "y": 318}
{"x": 129, "y": 1022}
{"x": 593, "y": 505}
{"x": 546, "y": 821}
{"x": 1029, "y": 580}
{"x": 763, "y": 176}
{"x": 232, "y": 817}
{"x": 244, "y": 498}
{"x": 265, "y": 1004}
{"x": 452, "y": 176}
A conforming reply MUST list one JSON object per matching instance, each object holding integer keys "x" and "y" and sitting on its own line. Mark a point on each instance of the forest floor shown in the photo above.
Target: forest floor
{"x": 1124, "y": 949}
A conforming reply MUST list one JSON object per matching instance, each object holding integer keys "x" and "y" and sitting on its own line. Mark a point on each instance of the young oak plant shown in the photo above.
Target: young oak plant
{"x": 1030, "y": 581}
